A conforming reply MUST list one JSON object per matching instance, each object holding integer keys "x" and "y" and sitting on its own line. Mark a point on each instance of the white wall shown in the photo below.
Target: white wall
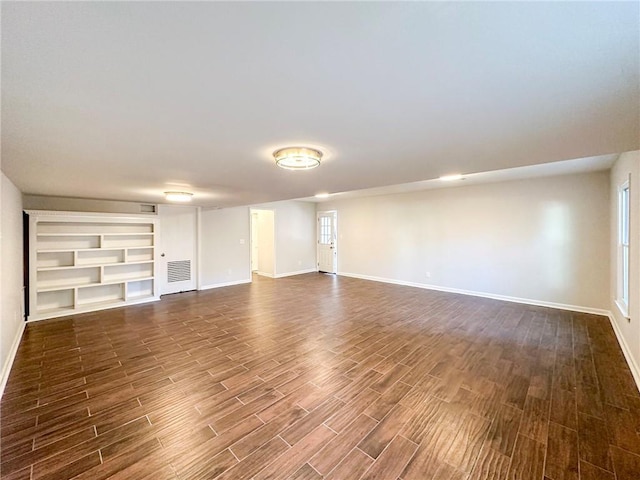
{"x": 544, "y": 240}
{"x": 11, "y": 268}
{"x": 287, "y": 242}
{"x": 295, "y": 236}
{"x": 225, "y": 247}
{"x": 628, "y": 330}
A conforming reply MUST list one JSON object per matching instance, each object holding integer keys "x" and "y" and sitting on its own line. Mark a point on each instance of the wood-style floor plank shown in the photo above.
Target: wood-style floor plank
{"x": 315, "y": 376}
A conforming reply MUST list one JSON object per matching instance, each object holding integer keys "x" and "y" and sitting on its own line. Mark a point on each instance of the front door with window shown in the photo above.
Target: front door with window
{"x": 327, "y": 242}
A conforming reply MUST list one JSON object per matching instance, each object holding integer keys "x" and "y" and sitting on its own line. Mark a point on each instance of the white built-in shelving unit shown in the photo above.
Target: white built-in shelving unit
{"x": 80, "y": 262}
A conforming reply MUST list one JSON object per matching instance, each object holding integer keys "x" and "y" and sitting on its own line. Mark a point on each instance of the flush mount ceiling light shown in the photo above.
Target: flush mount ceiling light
{"x": 297, "y": 158}
{"x": 451, "y": 178}
{"x": 178, "y": 196}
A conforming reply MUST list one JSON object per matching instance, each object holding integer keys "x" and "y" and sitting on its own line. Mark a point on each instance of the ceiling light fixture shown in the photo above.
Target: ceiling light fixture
{"x": 297, "y": 158}
{"x": 322, "y": 195}
{"x": 178, "y": 196}
{"x": 451, "y": 178}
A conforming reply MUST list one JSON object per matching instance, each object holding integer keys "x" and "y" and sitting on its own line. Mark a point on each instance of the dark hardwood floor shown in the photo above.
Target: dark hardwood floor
{"x": 316, "y": 376}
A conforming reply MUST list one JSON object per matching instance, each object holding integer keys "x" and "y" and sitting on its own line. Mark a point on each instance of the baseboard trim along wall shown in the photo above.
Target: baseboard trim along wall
{"x": 525, "y": 301}
{"x": 299, "y": 272}
{"x": 95, "y": 309}
{"x": 263, "y": 274}
{"x": 6, "y": 368}
{"x": 288, "y": 274}
{"x": 635, "y": 369}
{"x": 633, "y": 366}
{"x": 226, "y": 284}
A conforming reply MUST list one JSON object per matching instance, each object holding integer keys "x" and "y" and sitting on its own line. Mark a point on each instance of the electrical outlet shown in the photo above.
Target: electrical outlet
{"x": 428, "y": 274}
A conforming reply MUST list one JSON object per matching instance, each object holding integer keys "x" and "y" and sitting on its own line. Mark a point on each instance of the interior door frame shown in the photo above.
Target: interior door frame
{"x": 335, "y": 243}
{"x": 257, "y": 211}
{"x": 254, "y": 248}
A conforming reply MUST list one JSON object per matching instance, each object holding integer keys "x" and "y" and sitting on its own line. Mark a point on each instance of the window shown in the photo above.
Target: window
{"x": 325, "y": 230}
{"x": 623, "y": 248}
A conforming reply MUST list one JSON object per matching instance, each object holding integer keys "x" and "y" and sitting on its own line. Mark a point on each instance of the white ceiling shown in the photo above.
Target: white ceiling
{"x": 125, "y": 100}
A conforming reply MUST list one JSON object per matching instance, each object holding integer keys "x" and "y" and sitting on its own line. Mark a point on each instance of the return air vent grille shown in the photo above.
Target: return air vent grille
{"x": 179, "y": 271}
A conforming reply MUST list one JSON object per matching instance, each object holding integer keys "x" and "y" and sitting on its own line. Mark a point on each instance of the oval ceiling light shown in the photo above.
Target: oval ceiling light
{"x": 178, "y": 196}
{"x": 451, "y": 178}
{"x": 297, "y": 158}
{"x": 322, "y": 195}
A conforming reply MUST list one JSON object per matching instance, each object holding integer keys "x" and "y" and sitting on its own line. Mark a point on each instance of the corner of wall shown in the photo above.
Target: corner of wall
{"x": 626, "y": 351}
{"x": 11, "y": 276}
{"x": 11, "y": 356}
{"x": 627, "y": 330}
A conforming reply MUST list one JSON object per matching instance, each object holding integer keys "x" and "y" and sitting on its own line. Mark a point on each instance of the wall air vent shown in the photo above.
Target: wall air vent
{"x": 148, "y": 208}
{"x": 178, "y": 271}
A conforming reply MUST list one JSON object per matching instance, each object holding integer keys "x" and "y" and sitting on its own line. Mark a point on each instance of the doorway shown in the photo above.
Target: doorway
{"x": 263, "y": 256}
{"x": 177, "y": 253}
{"x": 328, "y": 242}
{"x": 255, "y": 250}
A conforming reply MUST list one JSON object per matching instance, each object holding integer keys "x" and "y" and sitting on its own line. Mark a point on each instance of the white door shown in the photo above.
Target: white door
{"x": 327, "y": 242}
{"x": 177, "y": 249}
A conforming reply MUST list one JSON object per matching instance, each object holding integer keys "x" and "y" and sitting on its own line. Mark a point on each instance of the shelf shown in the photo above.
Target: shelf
{"x": 67, "y": 287}
{"x": 87, "y": 265}
{"x": 95, "y": 249}
{"x": 58, "y": 301}
{"x": 57, "y": 311}
{"x": 128, "y": 241}
{"x": 137, "y": 289}
{"x": 54, "y": 259}
{"x": 100, "y": 257}
{"x": 62, "y": 278}
{"x": 81, "y": 262}
{"x": 95, "y": 284}
{"x": 118, "y": 281}
{"x": 66, "y": 267}
{"x": 87, "y": 234}
{"x": 103, "y": 303}
{"x": 93, "y": 234}
{"x": 94, "y": 226}
{"x": 144, "y": 254}
{"x": 128, "y": 271}
{"x": 63, "y": 242}
{"x": 127, "y": 234}
{"x": 99, "y": 294}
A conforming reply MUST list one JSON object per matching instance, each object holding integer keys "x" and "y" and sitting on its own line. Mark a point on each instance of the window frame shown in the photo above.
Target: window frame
{"x": 623, "y": 264}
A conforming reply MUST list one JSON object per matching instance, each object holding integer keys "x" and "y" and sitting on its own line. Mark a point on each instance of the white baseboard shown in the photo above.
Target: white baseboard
{"x": 526, "y": 301}
{"x": 299, "y": 272}
{"x": 633, "y": 366}
{"x": 6, "y": 368}
{"x": 90, "y": 309}
{"x": 263, "y": 274}
{"x": 225, "y": 284}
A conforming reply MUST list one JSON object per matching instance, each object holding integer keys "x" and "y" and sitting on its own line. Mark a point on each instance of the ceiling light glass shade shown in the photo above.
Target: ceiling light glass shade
{"x": 178, "y": 196}
{"x": 297, "y": 158}
{"x": 451, "y": 178}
